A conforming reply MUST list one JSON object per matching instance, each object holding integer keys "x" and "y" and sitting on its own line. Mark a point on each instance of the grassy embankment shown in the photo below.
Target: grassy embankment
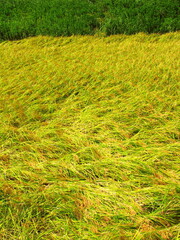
{"x": 89, "y": 137}
{"x": 27, "y": 18}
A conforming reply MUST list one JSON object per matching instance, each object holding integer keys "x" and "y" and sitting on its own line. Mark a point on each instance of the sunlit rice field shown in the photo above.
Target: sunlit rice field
{"x": 89, "y": 138}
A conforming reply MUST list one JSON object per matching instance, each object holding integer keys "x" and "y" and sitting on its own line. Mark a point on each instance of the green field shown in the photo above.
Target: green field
{"x": 20, "y": 19}
{"x": 89, "y": 138}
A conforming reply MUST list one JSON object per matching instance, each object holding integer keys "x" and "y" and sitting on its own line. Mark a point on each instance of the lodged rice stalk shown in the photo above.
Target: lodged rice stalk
{"x": 89, "y": 137}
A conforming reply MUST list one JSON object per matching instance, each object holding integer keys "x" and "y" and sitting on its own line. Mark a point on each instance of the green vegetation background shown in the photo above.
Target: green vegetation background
{"x": 24, "y": 18}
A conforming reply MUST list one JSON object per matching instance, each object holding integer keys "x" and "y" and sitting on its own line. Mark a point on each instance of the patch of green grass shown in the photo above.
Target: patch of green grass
{"x": 26, "y": 18}
{"x": 89, "y": 137}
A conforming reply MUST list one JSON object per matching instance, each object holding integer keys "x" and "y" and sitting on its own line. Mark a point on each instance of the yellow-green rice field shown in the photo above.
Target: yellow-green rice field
{"x": 89, "y": 138}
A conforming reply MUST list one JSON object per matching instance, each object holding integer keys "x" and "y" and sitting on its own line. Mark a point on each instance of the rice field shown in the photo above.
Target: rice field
{"x": 89, "y": 138}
